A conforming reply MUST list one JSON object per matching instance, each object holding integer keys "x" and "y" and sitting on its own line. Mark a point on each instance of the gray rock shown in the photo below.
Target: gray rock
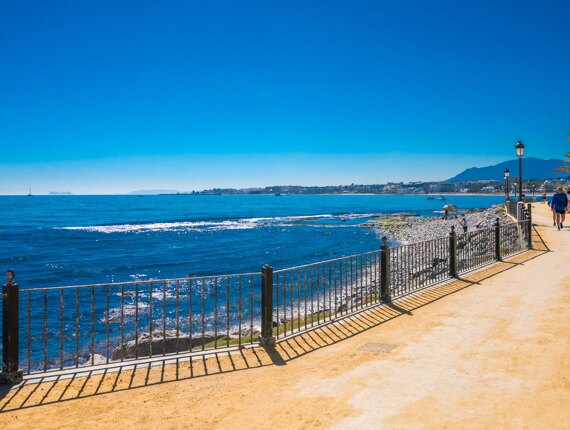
{"x": 418, "y": 229}
{"x": 97, "y": 360}
{"x": 246, "y": 333}
{"x": 171, "y": 344}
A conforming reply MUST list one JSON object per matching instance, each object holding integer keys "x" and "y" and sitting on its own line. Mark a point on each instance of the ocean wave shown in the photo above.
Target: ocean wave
{"x": 167, "y": 226}
{"x": 239, "y": 224}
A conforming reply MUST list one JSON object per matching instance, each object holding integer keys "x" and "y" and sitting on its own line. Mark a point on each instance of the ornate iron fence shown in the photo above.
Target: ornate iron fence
{"x": 309, "y": 295}
{"x": 475, "y": 249}
{"x": 95, "y": 324}
{"x": 511, "y": 208}
{"x": 418, "y": 265}
{"x": 71, "y": 327}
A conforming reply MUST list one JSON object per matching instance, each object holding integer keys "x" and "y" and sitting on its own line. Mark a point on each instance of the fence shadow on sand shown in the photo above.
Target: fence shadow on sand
{"x": 78, "y": 384}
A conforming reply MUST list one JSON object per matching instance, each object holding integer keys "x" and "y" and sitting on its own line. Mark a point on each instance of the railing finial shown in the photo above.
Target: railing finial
{"x": 10, "y": 275}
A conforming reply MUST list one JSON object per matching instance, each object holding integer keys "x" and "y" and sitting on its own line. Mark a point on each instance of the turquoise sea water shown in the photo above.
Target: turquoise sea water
{"x": 69, "y": 240}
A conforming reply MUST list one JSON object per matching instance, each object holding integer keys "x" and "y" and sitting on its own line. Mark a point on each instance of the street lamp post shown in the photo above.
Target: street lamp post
{"x": 520, "y": 153}
{"x": 507, "y": 173}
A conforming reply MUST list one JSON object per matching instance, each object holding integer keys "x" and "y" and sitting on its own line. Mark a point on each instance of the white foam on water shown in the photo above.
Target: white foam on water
{"x": 166, "y": 226}
{"x": 204, "y": 226}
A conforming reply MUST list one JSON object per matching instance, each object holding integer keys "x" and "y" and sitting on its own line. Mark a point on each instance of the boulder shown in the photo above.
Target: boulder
{"x": 98, "y": 359}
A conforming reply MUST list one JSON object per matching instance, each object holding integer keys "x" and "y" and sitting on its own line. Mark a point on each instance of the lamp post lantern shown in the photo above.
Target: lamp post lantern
{"x": 520, "y": 153}
{"x": 507, "y": 173}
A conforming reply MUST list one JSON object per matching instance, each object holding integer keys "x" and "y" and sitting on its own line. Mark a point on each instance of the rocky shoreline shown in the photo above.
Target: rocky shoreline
{"x": 420, "y": 269}
{"x": 408, "y": 228}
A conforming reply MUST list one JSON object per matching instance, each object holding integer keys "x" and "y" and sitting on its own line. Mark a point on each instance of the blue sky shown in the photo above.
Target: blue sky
{"x": 109, "y": 97}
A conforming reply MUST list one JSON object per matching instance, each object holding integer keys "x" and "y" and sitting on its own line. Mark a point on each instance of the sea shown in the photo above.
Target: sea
{"x": 58, "y": 241}
{"x": 71, "y": 240}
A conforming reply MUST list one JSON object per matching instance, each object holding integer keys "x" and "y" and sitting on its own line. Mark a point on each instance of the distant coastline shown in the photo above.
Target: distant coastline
{"x": 69, "y": 194}
{"x": 332, "y": 194}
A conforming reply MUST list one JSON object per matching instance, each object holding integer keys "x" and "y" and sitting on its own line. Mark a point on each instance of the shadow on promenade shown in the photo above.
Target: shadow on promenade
{"x": 538, "y": 242}
{"x": 79, "y": 384}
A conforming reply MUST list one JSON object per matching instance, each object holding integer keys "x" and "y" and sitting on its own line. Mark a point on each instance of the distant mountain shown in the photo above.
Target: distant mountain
{"x": 60, "y": 193}
{"x": 533, "y": 168}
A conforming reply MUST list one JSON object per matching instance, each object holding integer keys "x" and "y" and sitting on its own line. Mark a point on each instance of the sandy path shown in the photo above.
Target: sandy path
{"x": 490, "y": 351}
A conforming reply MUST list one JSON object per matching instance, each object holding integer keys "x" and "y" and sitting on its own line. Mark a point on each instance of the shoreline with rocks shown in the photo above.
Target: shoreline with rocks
{"x": 420, "y": 269}
{"x": 407, "y": 228}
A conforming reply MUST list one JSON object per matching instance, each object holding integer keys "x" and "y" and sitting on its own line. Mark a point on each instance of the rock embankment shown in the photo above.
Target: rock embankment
{"x": 410, "y": 229}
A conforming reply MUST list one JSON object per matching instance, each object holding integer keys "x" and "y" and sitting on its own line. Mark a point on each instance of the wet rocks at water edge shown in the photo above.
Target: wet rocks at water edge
{"x": 144, "y": 347}
{"x": 96, "y": 359}
{"x": 406, "y": 229}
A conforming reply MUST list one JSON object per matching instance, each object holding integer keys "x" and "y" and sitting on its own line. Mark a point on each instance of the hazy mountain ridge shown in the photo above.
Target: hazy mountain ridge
{"x": 532, "y": 168}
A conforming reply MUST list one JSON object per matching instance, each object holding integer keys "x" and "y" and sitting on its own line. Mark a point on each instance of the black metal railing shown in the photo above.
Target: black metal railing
{"x": 511, "y": 208}
{"x": 514, "y": 237}
{"x": 418, "y": 265}
{"x": 95, "y": 324}
{"x": 475, "y": 249}
{"x": 47, "y": 329}
{"x": 309, "y": 295}
{"x": 519, "y": 211}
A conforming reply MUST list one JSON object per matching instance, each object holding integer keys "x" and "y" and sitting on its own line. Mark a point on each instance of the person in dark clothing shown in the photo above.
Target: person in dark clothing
{"x": 464, "y": 224}
{"x": 559, "y": 204}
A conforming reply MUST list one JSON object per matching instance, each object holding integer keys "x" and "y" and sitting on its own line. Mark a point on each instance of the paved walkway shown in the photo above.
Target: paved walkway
{"x": 489, "y": 351}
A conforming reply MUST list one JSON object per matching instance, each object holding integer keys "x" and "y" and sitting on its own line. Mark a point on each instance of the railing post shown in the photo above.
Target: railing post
{"x": 520, "y": 210}
{"x": 267, "y": 338}
{"x": 497, "y": 240}
{"x": 10, "y": 361}
{"x": 529, "y": 216}
{"x": 453, "y": 253}
{"x": 385, "y": 271}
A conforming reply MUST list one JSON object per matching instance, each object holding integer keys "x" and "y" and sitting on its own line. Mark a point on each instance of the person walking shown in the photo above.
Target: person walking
{"x": 553, "y": 213}
{"x": 559, "y": 204}
{"x": 464, "y": 224}
{"x": 543, "y": 197}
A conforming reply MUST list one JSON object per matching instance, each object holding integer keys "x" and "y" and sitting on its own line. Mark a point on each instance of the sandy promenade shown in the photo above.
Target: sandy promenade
{"x": 490, "y": 351}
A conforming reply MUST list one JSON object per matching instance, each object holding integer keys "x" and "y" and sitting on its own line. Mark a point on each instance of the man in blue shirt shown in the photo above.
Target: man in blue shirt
{"x": 559, "y": 203}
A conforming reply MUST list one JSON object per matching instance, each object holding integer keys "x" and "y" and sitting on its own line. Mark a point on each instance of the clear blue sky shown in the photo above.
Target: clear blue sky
{"x": 112, "y": 96}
